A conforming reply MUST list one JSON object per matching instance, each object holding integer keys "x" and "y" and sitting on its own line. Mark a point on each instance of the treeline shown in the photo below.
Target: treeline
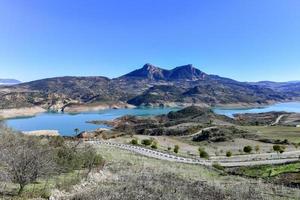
{"x": 27, "y": 159}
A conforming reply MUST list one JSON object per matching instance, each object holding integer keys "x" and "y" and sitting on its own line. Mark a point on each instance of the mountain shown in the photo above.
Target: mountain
{"x": 185, "y": 72}
{"x": 9, "y": 82}
{"x": 290, "y": 88}
{"x": 149, "y": 85}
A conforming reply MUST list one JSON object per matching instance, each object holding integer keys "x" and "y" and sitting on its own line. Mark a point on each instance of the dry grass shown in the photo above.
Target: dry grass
{"x": 138, "y": 177}
{"x": 276, "y": 132}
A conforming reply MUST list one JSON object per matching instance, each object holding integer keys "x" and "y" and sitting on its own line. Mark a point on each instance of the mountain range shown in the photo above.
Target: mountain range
{"x": 9, "y": 81}
{"x": 147, "y": 86}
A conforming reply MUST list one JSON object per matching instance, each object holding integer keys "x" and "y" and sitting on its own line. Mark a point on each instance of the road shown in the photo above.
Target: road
{"x": 234, "y": 161}
{"x": 277, "y": 120}
{"x": 199, "y": 132}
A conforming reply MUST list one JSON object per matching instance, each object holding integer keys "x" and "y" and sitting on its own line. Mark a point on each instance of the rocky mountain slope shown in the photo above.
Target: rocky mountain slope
{"x": 291, "y": 88}
{"x": 149, "y": 86}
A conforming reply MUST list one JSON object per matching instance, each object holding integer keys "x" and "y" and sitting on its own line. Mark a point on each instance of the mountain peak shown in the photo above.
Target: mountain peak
{"x": 148, "y": 71}
{"x": 188, "y": 72}
{"x": 184, "y": 72}
{"x": 149, "y": 66}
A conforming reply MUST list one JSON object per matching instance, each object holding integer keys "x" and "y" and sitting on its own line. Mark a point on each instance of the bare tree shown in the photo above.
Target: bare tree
{"x": 24, "y": 159}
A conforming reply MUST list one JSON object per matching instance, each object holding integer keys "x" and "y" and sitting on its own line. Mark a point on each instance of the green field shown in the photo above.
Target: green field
{"x": 292, "y": 134}
{"x": 269, "y": 170}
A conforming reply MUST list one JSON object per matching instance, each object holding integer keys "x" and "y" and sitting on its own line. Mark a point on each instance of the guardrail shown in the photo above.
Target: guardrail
{"x": 221, "y": 161}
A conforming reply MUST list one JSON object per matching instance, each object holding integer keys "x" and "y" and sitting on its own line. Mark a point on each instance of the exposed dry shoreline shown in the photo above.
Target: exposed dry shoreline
{"x": 20, "y": 112}
{"x": 32, "y": 111}
{"x": 42, "y": 133}
{"x": 95, "y": 107}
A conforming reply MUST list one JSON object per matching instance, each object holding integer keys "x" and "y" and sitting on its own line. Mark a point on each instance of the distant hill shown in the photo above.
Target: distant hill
{"x": 291, "y": 88}
{"x": 9, "y": 81}
{"x": 149, "y": 85}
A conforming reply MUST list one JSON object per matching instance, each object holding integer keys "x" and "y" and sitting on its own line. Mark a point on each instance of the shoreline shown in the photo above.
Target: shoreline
{"x": 13, "y": 113}
{"x": 42, "y": 133}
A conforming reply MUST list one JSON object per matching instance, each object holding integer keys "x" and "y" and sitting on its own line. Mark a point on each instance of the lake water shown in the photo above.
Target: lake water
{"x": 287, "y": 107}
{"x": 66, "y": 123}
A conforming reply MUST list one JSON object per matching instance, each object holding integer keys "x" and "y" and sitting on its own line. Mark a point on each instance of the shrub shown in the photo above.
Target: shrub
{"x": 257, "y": 148}
{"x": 217, "y": 166}
{"x": 203, "y": 153}
{"x": 169, "y": 148}
{"x": 278, "y": 148}
{"x": 228, "y": 153}
{"x": 154, "y": 145}
{"x": 134, "y": 142}
{"x": 247, "y": 149}
{"x": 176, "y": 148}
{"x": 146, "y": 142}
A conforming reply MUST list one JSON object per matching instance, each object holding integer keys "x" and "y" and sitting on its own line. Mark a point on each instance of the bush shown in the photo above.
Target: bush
{"x": 154, "y": 145}
{"x": 278, "y": 148}
{"x": 217, "y": 166}
{"x": 257, "y": 148}
{"x": 134, "y": 142}
{"x": 228, "y": 153}
{"x": 146, "y": 142}
{"x": 169, "y": 148}
{"x": 176, "y": 148}
{"x": 203, "y": 153}
{"x": 247, "y": 149}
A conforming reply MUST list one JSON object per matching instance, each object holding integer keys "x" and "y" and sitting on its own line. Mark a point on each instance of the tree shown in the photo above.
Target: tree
{"x": 24, "y": 159}
{"x": 176, "y": 148}
{"x": 247, "y": 149}
{"x": 76, "y": 130}
{"x": 90, "y": 158}
{"x": 228, "y": 153}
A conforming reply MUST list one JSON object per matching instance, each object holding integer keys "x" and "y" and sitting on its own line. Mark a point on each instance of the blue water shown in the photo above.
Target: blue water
{"x": 287, "y": 107}
{"x": 66, "y": 123}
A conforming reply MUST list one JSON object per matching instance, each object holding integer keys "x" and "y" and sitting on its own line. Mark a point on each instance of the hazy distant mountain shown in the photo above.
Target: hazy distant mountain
{"x": 149, "y": 85}
{"x": 291, "y": 87}
{"x": 9, "y": 81}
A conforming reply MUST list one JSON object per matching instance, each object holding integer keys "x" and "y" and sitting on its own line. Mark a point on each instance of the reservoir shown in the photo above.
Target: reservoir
{"x": 65, "y": 123}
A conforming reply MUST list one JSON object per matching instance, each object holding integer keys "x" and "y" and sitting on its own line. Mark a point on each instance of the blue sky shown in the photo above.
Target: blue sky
{"x": 248, "y": 40}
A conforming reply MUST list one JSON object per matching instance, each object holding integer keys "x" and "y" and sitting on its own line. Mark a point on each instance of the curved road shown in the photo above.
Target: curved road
{"x": 234, "y": 161}
{"x": 277, "y": 120}
{"x": 199, "y": 132}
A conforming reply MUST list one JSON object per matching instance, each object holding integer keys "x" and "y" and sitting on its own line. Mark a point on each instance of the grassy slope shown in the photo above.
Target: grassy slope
{"x": 276, "y": 132}
{"x": 121, "y": 162}
{"x": 269, "y": 170}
